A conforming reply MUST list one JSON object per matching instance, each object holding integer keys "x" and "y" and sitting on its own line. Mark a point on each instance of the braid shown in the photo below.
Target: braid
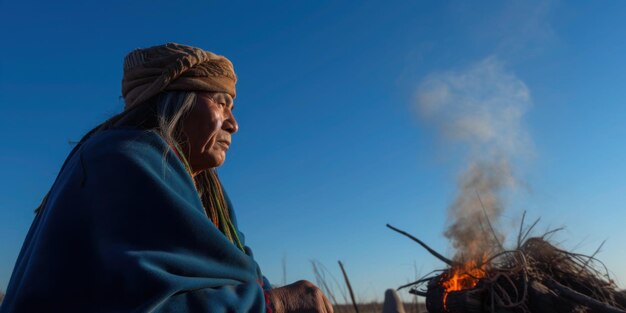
{"x": 216, "y": 206}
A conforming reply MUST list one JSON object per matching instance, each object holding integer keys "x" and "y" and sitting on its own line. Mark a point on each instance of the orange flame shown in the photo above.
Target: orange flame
{"x": 465, "y": 276}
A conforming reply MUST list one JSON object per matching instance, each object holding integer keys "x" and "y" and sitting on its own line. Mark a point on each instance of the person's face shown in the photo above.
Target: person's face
{"x": 208, "y": 128}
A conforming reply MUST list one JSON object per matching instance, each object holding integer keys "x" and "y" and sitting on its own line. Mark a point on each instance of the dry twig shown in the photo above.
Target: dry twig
{"x": 345, "y": 276}
{"x": 429, "y": 249}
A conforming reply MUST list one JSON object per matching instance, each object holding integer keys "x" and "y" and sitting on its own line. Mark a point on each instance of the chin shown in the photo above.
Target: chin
{"x": 216, "y": 162}
{"x": 206, "y": 164}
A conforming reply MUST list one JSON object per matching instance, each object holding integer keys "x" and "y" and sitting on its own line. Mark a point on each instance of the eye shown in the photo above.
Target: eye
{"x": 223, "y": 100}
{"x": 219, "y": 102}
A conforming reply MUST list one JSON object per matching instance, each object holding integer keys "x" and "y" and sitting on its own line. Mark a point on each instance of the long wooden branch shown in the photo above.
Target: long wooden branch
{"x": 345, "y": 276}
{"x": 429, "y": 249}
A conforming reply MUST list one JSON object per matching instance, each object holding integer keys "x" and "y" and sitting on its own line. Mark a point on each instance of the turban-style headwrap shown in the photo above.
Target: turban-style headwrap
{"x": 174, "y": 67}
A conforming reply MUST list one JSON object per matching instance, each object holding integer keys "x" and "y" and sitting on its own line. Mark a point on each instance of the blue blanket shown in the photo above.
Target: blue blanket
{"x": 123, "y": 230}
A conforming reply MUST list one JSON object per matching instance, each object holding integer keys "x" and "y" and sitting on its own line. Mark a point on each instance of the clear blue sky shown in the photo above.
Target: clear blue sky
{"x": 330, "y": 147}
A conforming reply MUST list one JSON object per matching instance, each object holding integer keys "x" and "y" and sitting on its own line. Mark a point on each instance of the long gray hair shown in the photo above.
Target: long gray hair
{"x": 162, "y": 114}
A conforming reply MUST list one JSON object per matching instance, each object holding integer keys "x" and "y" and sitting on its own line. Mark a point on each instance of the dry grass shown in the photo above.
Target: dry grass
{"x": 337, "y": 291}
{"x": 375, "y": 307}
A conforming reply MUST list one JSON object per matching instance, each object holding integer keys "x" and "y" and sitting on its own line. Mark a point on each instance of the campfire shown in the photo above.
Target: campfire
{"x": 460, "y": 277}
{"x": 478, "y": 116}
{"x": 535, "y": 276}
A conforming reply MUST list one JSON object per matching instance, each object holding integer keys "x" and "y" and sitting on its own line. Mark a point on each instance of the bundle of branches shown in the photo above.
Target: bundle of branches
{"x": 536, "y": 276}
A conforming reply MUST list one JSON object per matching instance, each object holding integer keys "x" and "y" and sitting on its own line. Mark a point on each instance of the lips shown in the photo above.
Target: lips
{"x": 225, "y": 143}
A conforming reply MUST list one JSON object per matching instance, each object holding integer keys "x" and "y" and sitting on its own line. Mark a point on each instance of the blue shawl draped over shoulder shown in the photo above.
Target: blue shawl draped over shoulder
{"x": 123, "y": 230}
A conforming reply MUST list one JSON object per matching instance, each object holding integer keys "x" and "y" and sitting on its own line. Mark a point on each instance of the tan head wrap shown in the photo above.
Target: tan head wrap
{"x": 173, "y": 66}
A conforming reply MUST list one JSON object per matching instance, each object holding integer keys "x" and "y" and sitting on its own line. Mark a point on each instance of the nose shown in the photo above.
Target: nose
{"x": 230, "y": 123}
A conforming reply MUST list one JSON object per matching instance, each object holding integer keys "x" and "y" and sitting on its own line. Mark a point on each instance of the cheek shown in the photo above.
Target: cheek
{"x": 217, "y": 124}
{"x": 201, "y": 128}
{"x": 209, "y": 128}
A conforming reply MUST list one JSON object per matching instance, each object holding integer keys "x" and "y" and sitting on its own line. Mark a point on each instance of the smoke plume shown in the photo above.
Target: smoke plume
{"x": 478, "y": 111}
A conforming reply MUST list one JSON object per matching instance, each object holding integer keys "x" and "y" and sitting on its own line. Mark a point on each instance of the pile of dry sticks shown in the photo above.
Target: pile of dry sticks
{"x": 535, "y": 276}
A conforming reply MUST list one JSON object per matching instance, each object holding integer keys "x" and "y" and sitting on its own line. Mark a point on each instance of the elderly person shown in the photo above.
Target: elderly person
{"x": 137, "y": 219}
